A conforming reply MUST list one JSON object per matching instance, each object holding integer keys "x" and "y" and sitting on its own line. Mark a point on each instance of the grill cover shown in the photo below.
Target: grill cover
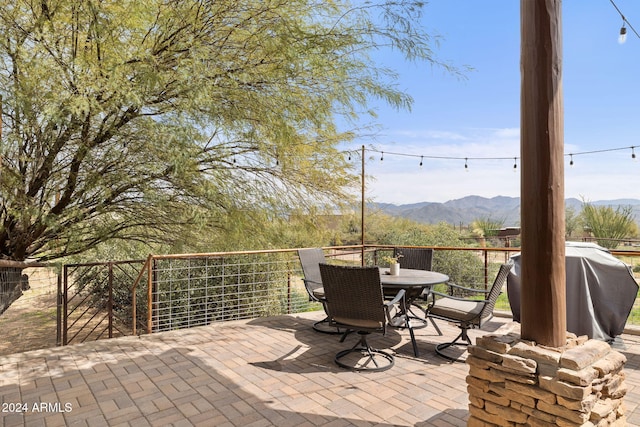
{"x": 601, "y": 291}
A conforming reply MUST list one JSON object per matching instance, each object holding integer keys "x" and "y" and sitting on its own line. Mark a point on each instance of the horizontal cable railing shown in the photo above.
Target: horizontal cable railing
{"x": 198, "y": 289}
{"x": 186, "y": 290}
{"x": 181, "y": 291}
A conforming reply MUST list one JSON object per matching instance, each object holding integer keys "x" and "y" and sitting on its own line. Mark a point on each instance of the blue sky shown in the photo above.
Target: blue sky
{"x": 480, "y": 116}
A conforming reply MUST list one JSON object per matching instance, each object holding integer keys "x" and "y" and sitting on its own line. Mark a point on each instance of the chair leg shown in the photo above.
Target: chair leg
{"x": 462, "y": 336}
{"x": 419, "y": 322}
{"x": 363, "y": 347}
{"x": 324, "y": 327}
{"x": 413, "y": 337}
{"x": 433, "y": 322}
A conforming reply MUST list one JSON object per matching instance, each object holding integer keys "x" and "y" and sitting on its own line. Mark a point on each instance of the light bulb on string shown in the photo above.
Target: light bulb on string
{"x": 571, "y": 161}
{"x": 515, "y": 164}
{"x": 466, "y": 166}
{"x": 623, "y": 34}
{"x": 421, "y": 160}
{"x": 382, "y": 156}
{"x": 633, "y": 153}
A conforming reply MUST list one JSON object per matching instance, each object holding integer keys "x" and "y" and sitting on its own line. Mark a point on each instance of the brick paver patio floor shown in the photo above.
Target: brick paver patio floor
{"x": 271, "y": 371}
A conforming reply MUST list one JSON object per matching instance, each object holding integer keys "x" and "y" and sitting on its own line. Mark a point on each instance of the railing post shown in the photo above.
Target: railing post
{"x": 110, "y": 301}
{"x": 288, "y": 291}
{"x": 134, "y": 309}
{"x": 65, "y": 307}
{"x": 486, "y": 269}
{"x": 59, "y": 307}
{"x": 150, "y": 269}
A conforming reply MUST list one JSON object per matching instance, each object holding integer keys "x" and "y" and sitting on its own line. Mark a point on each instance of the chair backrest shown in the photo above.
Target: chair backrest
{"x": 495, "y": 290}
{"x": 415, "y": 258}
{"x": 354, "y": 294}
{"x": 310, "y": 259}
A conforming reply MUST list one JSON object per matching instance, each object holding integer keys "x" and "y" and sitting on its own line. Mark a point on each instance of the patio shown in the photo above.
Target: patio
{"x": 260, "y": 372}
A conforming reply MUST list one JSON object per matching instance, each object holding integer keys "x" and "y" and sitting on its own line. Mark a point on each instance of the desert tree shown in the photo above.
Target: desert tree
{"x": 486, "y": 226}
{"x": 159, "y": 120}
{"x": 609, "y": 225}
{"x": 572, "y": 221}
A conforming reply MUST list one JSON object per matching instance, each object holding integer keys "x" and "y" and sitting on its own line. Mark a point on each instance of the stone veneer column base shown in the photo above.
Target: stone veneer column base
{"x": 514, "y": 382}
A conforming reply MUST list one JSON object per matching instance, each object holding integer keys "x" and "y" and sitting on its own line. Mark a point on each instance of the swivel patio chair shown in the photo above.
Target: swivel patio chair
{"x": 356, "y": 303}
{"x": 310, "y": 259}
{"x": 466, "y": 313}
{"x": 415, "y": 258}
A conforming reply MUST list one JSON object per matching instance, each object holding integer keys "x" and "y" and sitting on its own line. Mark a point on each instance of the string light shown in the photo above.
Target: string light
{"x": 623, "y": 34}
{"x": 515, "y": 159}
{"x": 622, "y": 37}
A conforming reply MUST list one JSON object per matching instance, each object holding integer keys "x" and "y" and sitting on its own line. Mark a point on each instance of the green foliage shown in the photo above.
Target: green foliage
{"x": 609, "y": 225}
{"x": 463, "y": 267}
{"x": 157, "y": 121}
{"x": 573, "y": 221}
{"x": 486, "y": 227}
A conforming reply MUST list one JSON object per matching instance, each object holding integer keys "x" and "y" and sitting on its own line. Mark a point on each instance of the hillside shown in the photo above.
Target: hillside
{"x": 469, "y": 208}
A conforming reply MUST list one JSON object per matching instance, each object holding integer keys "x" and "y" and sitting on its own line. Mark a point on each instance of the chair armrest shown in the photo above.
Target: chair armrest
{"x": 399, "y": 296}
{"x": 463, "y": 288}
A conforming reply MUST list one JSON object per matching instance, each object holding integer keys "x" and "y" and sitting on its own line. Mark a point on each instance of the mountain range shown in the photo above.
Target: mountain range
{"x": 467, "y": 209}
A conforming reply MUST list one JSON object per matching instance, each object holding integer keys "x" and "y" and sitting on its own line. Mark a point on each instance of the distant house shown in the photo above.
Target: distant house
{"x": 508, "y": 234}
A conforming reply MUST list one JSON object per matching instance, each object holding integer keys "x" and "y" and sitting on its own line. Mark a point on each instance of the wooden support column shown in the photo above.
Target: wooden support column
{"x": 362, "y": 209}
{"x": 543, "y": 297}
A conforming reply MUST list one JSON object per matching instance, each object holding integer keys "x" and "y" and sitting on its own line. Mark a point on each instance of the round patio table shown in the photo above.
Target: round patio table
{"x": 410, "y": 279}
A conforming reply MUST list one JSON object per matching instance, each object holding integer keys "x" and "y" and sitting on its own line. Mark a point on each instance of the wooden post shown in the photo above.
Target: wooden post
{"x": 362, "y": 208}
{"x": 543, "y": 297}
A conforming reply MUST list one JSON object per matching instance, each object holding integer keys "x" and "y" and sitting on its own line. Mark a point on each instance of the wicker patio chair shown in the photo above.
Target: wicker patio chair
{"x": 310, "y": 259}
{"x": 466, "y": 313}
{"x": 414, "y": 258}
{"x": 355, "y": 302}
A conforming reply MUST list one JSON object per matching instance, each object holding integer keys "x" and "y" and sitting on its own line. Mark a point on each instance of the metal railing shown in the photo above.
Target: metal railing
{"x": 187, "y": 290}
{"x": 97, "y": 300}
{"x": 167, "y": 292}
